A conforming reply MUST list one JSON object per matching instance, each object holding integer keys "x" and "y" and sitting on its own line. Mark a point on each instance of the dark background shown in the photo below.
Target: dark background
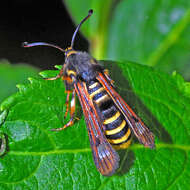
{"x": 32, "y": 21}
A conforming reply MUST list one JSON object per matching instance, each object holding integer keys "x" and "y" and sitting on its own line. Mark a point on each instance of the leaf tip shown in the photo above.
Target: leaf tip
{"x": 181, "y": 83}
{"x": 174, "y": 73}
{"x": 20, "y": 86}
{"x": 43, "y": 74}
{"x": 31, "y": 79}
{"x": 58, "y": 67}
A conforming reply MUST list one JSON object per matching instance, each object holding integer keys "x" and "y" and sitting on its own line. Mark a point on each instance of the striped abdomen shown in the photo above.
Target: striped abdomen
{"x": 117, "y": 130}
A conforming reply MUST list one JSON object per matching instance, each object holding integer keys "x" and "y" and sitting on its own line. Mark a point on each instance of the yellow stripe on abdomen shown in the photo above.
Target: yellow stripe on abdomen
{"x": 111, "y": 119}
{"x": 120, "y": 140}
{"x": 93, "y": 85}
{"x": 116, "y": 130}
{"x": 96, "y": 92}
{"x": 102, "y": 99}
{"x": 123, "y": 146}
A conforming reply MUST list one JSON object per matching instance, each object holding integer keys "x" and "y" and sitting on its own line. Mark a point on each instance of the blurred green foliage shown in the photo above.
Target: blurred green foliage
{"x": 11, "y": 75}
{"x": 150, "y": 32}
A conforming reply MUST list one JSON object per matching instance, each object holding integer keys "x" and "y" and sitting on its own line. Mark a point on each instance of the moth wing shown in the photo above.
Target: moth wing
{"x": 105, "y": 157}
{"x": 144, "y": 135}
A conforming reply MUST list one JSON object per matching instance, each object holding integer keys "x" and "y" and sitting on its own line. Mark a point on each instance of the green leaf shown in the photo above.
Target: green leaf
{"x": 149, "y": 32}
{"x": 41, "y": 159}
{"x": 10, "y": 75}
{"x": 152, "y": 32}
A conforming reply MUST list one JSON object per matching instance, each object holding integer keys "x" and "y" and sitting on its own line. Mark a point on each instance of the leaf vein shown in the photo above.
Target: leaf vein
{"x": 27, "y": 177}
{"x": 75, "y": 151}
{"x": 180, "y": 174}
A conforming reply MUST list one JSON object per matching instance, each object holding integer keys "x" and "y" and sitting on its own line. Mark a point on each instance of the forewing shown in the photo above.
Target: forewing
{"x": 105, "y": 157}
{"x": 144, "y": 135}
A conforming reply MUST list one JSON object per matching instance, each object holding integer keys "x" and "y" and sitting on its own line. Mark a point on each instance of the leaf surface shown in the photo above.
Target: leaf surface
{"x": 41, "y": 159}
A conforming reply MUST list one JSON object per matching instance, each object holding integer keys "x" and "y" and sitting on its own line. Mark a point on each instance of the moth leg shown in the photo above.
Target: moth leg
{"x": 72, "y": 113}
{"x": 67, "y": 103}
{"x": 56, "y": 77}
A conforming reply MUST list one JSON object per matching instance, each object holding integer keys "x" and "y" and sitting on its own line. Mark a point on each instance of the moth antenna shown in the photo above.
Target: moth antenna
{"x": 78, "y": 27}
{"x": 26, "y": 44}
